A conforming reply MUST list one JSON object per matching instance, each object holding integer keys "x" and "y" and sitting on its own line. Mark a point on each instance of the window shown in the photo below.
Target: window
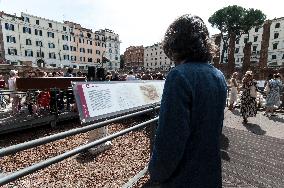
{"x": 64, "y": 28}
{"x": 110, "y": 51}
{"x": 72, "y": 48}
{"x": 37, "y": 22}
{"x": 277, "y": 25}
{"x": 256, "y": 29}
{"x": 245, "y": 40}
{"x": 255, "y": 39}
{"x": 273, "y": 57}
{"x": 29, "y": 53}
{"x": 98, "y": 60}
{"x": 65, "y": 47}
{"x": 80, "y": 40}
{"x": 28, "y": 42}
{"x": 90, "y": 51}
{"x": 66, "y": 57}
{"x": 9, "y": 27}
{"x": 50, "y": 25}
{"x": 38, "y": 43}
{"x": 73, "y": 58}
{"x": 82, "y": 50}
{"x": 254, "y": 48}
{"x": 27, "y": 19}
{"x": 99, "y": 44}
{"x": 275, "y": 45}
{"x": 64, "y": 37}
{"x": 11, "y": 39}
{"x": 98, "y": 52}
{"x": 50, "y": 34}
{"x": 116, "y": 58}
{"x": 91, "y": 43}
{"x": 12, "y": 51}
{"x": 38, "y": 32}
{"x": 238, "y": 41}
{"x": 109, "y": 44}
{"x": 90, "y": 60}
{"x": 38, "y": 54}
{"x": 276, "y": 35}
{"x": 52, "y": 55}
{"x": 27, "y": 30}
{"x": 51, "y": 45}
{"x": 283, "y": 56}
{"x": 84, "y": 59}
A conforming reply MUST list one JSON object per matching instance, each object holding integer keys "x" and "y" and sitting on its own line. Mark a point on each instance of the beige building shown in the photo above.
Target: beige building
{"x": 50, "y": 43}
{"x": 155, "y": 58}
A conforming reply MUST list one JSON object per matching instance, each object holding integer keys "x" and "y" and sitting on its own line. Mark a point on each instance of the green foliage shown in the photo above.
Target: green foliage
{"x": 236, "y": 19}
{"x": 228, "y": 19}
{"x": 252, "y": 18}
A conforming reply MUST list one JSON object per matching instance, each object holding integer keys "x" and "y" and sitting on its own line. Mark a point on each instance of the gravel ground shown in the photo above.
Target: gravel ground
{"x": 128, "y": 155}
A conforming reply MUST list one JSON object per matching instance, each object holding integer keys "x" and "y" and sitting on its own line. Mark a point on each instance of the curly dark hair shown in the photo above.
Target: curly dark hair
{"x": 187, "y": 38}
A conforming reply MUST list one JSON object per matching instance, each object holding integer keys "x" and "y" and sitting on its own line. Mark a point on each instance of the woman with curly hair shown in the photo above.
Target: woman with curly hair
{"x": 186, "y": 152}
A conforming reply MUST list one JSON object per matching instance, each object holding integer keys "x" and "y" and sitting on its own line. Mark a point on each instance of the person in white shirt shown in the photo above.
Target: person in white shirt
{"x": 12, "y": 86}
{"x": 130, "y": 76}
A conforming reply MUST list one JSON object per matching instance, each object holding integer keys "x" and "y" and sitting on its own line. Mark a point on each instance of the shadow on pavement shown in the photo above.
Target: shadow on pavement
{"x": 254, "y": 128}
{"x": 224, "y": 147}
{"x": 275, "y": 118}
{"x": 236, "y": 112}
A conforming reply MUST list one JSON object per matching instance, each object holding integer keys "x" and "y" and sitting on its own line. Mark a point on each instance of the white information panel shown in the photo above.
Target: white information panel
{"x": 96, "y": 100}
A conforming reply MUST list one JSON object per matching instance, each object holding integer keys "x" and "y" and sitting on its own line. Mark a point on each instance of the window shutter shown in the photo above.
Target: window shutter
{"x": 9, "y": 51}
{"x": 24, "y": 29}
{"x": 15, "y": 51}
{"x": 25, "y": 52}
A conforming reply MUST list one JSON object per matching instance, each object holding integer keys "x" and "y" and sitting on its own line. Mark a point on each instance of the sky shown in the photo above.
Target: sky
{"x": 138, "y": 22}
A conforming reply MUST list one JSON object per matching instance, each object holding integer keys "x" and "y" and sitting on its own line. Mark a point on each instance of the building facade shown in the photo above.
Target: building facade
{"x": 48, "y": 43}
{"x": 134, "y": 57}
{"x": 267, "y": 45}
{"x": 155, "y": 58}
{"x": 112, "y": 49}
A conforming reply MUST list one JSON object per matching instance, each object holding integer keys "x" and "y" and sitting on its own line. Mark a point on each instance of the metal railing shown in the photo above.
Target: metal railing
{"x": 43, "y": 164}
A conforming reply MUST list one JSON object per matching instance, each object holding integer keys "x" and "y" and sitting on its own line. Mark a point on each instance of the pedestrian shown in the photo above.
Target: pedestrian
{"x": 12, "y": 87}
{"x": 186, "y": 151}
{"x": 69, "y": 72}
{"x": 234, "y": 90}
{"x": 147, "y": 76}
{"x": 130, "y": 76}
{"x": 273, "y": 96}
{"x": 248, "y": 98}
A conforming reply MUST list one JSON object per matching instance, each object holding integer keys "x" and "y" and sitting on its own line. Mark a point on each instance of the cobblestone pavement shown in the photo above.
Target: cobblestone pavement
{"x": 253, "y": 154}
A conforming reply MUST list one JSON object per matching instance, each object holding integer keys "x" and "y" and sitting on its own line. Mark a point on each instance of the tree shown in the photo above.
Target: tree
{"x": 121, "y": 61}
{"x": 252, "y": 18}
{"x": 228, "y": 20}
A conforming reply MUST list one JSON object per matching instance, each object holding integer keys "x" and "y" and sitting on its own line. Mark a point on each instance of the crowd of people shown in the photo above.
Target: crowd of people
{"x": 248, "y": 106}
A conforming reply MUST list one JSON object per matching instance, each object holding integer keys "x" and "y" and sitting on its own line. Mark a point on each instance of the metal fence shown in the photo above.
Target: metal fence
{"x": 43, "y": 164}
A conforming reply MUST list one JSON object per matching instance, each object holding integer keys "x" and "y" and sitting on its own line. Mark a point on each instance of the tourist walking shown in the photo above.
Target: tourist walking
{"x": 234, "y": 90}
{"x": 248, "y": 97}
{"x": 130, "y": 76}
{"x": 273, "y": 95}
{"x": 186, "y": 151}
{"x": 12, "y": 87}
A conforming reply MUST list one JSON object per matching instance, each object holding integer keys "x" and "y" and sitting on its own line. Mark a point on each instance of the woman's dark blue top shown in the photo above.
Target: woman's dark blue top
{"x": 187, "y": 147}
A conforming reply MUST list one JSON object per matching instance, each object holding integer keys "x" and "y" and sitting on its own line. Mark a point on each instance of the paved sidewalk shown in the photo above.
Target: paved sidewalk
{"x": 253, "y": 154}
{"x": 261, "y": 125}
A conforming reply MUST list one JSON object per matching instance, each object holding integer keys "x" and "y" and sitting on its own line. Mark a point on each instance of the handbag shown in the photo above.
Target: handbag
{"x": 267, "y": 89}
{"x": 253, "y": 91}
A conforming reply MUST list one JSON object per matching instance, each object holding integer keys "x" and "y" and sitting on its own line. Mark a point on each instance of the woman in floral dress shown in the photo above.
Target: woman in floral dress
{"x": 248, "y": 103}
{"x": 273, "y": 96}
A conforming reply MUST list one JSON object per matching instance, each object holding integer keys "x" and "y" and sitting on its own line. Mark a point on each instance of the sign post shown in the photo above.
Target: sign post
{"x": 100, "y": 100}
